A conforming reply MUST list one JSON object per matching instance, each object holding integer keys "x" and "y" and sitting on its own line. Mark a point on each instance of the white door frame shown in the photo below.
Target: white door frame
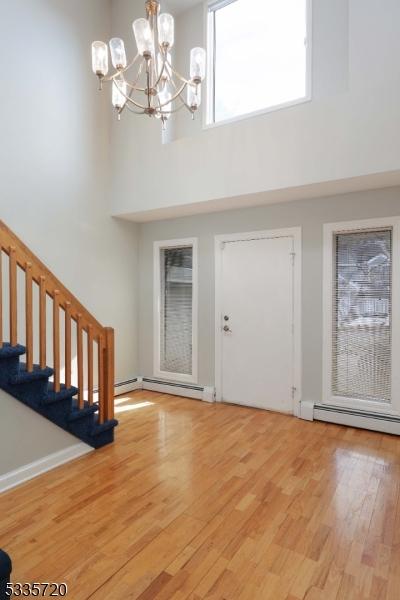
{"x": 220, "y": 240}
{"x": 330, "y": 229}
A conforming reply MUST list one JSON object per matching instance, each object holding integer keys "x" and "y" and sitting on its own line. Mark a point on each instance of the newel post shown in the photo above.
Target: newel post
{"x": 109, "y": 370}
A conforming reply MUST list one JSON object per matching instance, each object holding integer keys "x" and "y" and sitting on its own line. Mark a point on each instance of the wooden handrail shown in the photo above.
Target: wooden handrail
{"x": 62, "y": 300}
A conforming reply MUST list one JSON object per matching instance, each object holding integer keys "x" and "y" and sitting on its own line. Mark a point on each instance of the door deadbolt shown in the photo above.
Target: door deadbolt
{"x": 226, "y": 318}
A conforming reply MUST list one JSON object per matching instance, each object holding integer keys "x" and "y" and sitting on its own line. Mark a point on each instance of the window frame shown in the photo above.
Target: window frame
{"x": 210, "y": 7}
{"x": 157, "y": 372}
{"x": 330, "y": 231}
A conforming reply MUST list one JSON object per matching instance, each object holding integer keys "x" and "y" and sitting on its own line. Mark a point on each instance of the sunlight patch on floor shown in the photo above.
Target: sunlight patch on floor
{"x": 130, "y": 407}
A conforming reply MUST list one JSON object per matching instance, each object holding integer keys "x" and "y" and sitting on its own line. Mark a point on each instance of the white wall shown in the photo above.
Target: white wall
{"x": 63, "y": 170}
{"x": 26, "y": 437}
{"x": 310, "y": 215}
{"x": 54, "y": 159}
{"x": 349, "y": 130}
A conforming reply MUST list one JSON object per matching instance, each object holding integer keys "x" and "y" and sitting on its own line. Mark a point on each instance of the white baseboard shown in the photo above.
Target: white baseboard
{"x": 38, "y": 467}
{"x": 306, "y": 411}
{"x": 209, "y": 395}
{"x": 374, "y": 422}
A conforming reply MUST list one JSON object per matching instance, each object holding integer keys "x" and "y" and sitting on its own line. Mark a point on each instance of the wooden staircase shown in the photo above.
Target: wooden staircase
{"x": 82, "y": 349}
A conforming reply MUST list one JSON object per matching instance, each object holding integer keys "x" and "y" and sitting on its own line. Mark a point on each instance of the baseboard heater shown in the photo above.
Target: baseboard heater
{"x": 125, "y": 383}
{"x": 179, "y": 389}
{"x": 198, "y": 392}
{"x": 357, "y": 418}
{"x": 123, "y": 387}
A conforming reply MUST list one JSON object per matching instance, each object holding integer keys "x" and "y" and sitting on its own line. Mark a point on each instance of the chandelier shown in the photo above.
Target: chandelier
{"x": 156, "y": 88}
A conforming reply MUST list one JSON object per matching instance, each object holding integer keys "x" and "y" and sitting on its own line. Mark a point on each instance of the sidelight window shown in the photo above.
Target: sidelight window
{"x": 175, "y": 309}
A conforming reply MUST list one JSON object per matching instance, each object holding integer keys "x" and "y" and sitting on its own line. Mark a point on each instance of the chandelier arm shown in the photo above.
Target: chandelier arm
{"x": 154, "y": 72}
{"x": 135, "y": 89}
{"x": 133, "y": 85}
{"x": 178, "y": 75}
{"x": 178, "y": 93}
{"x": 122, "y": 71}
{"x": 171, "y": 112}
{"x": 162, "y": 69}
{"x": 137, "y": 104}
{"x": 134, "y": 104}
{"x": 162, "y": 112}
{"x": 186, "y": 105}
{"x": 135, "y": 112}
{"x": 159, "y": 78}
{"x": 148, "y": 87}
{"x": 181, "y": 97}
{"x": 129, "y": 98}
{"x": 173, "y": 83}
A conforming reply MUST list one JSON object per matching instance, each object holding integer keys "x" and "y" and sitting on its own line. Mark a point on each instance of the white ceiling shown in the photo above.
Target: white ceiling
{"x": 178, "y": 6}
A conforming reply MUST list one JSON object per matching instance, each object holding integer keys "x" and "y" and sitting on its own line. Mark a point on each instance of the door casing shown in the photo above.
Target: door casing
{"x": 295, "y": 234}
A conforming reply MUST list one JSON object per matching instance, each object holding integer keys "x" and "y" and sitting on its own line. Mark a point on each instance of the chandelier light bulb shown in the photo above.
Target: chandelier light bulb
{"x": 194, "y": 96}
{"x": 119, "y": 93}
{"x": 100, "y": 59}
{"x": 197, "y": 64}
{"x": 165, "y": 101}
{"x": 144, "y": 37}
{"x": 166, "y": 28}
{"x": 118, "y": 54}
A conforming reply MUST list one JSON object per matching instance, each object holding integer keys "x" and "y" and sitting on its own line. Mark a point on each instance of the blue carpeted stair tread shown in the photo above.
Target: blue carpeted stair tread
{"x": 35, "y": 390}
{"x": 25, "y": 376}
{"x": 81, "y": 413}
{"x": 98, "y": 429}
{"x": 8, "y": 351}
{"x": 64, "y": 394}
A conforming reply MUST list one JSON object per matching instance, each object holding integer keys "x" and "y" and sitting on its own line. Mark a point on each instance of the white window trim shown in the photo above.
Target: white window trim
{"x": 296, "y": 234}
{"x": 209, "y": 44}
{"x": 158, "y": 246}
{"x": 331, "y": 229}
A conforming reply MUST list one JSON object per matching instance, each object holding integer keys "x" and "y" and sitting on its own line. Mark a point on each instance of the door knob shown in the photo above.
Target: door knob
{"x": 226, "y": 328}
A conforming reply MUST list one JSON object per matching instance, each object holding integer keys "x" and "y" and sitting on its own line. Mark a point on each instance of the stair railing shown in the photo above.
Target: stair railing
{"x": 63, "y": 302}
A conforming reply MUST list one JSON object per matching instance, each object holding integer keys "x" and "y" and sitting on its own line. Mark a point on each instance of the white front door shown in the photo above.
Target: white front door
{"x": 257, "y": 322}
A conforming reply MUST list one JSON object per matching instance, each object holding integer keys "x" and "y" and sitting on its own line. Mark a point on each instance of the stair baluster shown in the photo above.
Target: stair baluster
{"x": 90, "y": 364}
{"x": 13, "y": 297}
{"x": 101, "y": 386}
{"x": 42, "y": 322}
{"x": 109, "y": 373}
{"x": 68, "y": 350}
{"x": 1, "y": 298}
{"x": 28, "y": 317}
{"x": 56, "y": 340}
{"x": 80, "y": 362}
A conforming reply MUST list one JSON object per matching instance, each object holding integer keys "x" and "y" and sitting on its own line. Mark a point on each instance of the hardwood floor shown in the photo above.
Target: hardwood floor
{"x": 217, "y": 502}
